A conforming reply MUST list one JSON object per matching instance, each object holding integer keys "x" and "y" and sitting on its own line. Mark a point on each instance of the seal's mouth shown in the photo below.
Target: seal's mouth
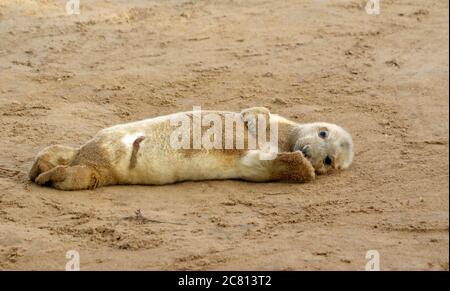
{"x": 306, "y": 150}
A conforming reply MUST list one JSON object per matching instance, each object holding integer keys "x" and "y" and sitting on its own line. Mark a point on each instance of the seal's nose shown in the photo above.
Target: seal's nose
{"x": 306, "y": 150}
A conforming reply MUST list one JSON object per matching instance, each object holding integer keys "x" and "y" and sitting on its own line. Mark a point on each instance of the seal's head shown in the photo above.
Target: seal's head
{"x": 327, "y": 146}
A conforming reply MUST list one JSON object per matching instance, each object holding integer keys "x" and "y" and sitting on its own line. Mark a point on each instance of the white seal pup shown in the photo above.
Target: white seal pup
{"x": 142, "y": 152}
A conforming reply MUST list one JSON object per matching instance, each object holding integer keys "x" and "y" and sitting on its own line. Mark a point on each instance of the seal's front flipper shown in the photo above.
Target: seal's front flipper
{"x": 292, "y": 166}
{"x": 251, "y": 115}
{"x": 287, "y": 166}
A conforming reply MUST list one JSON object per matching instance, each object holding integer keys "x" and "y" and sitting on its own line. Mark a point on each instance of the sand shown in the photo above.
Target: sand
{"x": 383, "y": 77}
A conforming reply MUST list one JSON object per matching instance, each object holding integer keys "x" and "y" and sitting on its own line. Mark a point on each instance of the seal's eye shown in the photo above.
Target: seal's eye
{"x": 328, "y": 161}
{"x": 323, "y": 134}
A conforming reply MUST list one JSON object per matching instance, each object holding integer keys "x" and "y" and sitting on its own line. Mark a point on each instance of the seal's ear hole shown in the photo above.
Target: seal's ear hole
{"x": 323, "y": 132}
{"x": 345, "y": 145}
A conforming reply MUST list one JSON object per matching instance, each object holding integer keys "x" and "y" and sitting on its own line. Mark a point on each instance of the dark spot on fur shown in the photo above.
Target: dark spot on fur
{"x": 136, "y": 144}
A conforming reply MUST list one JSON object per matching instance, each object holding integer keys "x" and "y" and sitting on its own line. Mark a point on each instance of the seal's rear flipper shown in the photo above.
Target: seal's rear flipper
{"x": 49, "y": 158}
{"x": 78, "y": 177}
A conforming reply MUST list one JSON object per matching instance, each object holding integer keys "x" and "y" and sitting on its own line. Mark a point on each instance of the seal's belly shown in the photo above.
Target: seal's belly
{"x": 180, "y": 166}
{"x": 155, "y": 164}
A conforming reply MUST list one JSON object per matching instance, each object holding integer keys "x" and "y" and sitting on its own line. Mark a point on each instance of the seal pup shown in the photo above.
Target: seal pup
{"x": 142, "y": 153}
